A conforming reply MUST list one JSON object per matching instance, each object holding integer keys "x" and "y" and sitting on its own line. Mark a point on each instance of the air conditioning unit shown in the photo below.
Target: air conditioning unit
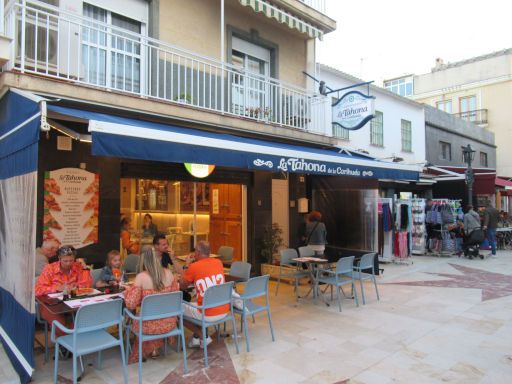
{"x": 52, "y": 41}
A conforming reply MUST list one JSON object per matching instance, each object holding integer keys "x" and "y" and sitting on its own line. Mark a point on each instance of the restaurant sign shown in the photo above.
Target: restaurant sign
{"x": 199, "y": 170}
{"x": 71, "y": 204}
{"x": 353, "y": 110}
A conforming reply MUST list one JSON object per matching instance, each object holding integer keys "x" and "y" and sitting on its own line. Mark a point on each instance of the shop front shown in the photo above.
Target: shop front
{"x": 82, "y": 168}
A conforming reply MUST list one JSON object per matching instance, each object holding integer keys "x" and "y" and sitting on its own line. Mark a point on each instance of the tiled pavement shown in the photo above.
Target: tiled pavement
{"x": 439, "y": 320}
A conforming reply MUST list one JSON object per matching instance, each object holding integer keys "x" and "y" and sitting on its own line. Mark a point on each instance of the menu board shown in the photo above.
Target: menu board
{"x": 71, "y": 203}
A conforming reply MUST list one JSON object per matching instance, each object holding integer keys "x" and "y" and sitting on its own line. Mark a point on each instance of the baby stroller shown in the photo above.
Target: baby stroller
{"x": 471, "y": 246}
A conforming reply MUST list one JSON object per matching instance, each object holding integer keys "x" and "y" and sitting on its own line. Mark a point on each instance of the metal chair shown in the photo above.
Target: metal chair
{"x": 286, "y": 261}
{"x": 255, "y": 287}
{"x": 335, "y": 278}
{"x": 156, "y": 307}
{"x": 90, "y": 334}
{"x": 95, "y": 274}
{"x": 215, "y": 296}
{"x": 241, "y": 269}
{"x": 226, "y": 254}
{"x": 43, "y": 322}
{"x": 366, "y": 263}
{"x": 131, "y": 263}
{"x": 306, "y": 252}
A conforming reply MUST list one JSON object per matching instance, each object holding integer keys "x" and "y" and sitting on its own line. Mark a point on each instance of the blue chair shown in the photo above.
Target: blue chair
{"x": 287, "y": 256}
{"x": 95, "y": 274}
{"x": 255, "y": 287}
{"x": 306, "y": 252}
{"x": 338, "y": 277}
{"x": 366, "y": 263}
{"x": 45, "y": 324}
{"x": 156, "y": 307}
{"x": 131, "y": 263}
{"x": 215, "y": 296}
{"x": 240, "y": 269}
{"x": 90, "y": 334}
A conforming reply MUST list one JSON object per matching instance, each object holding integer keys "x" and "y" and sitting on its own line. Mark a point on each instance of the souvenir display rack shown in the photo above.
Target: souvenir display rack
{"x": 444, "y": 213}
{"x": 419, "y": 228}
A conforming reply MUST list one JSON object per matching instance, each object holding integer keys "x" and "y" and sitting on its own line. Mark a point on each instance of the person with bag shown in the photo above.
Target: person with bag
{"x": 491, "y": 218}
{"x": 316, "y": 233}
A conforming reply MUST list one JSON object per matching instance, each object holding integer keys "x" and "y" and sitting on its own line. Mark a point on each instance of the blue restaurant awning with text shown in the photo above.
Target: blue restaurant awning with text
{"x": 139, "y": 139}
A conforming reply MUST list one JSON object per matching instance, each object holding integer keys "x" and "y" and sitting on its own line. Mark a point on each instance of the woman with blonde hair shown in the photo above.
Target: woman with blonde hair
{"x": 152, "y": 279}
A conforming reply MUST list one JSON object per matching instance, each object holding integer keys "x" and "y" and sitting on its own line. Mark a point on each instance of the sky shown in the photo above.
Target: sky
{"x": 382, "y": 39}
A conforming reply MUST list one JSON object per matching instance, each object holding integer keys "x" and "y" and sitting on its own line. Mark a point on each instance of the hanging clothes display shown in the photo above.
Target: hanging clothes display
{"x": 402, "y": 247}
{"x": 419, "y": 228}
{"x": 444, "y": 216}
{"x": 385, "y": 227}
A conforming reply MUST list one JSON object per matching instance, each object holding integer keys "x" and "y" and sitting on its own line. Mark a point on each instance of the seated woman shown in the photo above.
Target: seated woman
{"x": 62, "y": 275}
{"x": 128, "y": 244}
{"x": 149, "y": 229}
{"x": 111, "y": 273}
{"x": 152, "y": 279}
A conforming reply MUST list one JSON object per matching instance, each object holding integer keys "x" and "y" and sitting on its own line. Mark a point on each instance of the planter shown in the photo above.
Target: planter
{"x": 273, "y": 271}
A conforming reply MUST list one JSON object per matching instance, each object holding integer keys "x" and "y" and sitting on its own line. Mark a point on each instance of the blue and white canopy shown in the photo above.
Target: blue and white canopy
{"x": 138, "y": 139}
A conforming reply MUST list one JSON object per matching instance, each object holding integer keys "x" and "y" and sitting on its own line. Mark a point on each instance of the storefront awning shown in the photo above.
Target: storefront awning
{"x": 484, "y": 183}
{"x": 138, "y": 139}
{"x": 284, "y": 17}
{"x": 503, "y": 183}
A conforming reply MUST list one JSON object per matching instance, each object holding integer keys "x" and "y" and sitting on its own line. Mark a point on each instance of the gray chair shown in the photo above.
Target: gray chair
{"x": 287, "y": 256}
{"x": 306, "y": 252}
{"x": 226, "y": 254}
{"x": 241, "y": 269}
{"x": 95, "y": 274}
{"x": 366, "y": 264}
{"x": 254, "y": 288}
{"x": 131, "y": 263}
{"x": 90, "y": 335}
{"x": 342, "y": 275}
{"x": 155, "y": 307}
{"x": 215, "y": 296}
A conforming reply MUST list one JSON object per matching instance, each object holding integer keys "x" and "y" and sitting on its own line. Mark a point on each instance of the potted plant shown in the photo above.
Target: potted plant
{"x": 184, "y": 98}
{"x": 271, "y": 242}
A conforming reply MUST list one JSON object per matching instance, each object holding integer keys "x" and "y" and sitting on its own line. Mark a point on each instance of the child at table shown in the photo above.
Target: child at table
{"x": 111, "y": 273}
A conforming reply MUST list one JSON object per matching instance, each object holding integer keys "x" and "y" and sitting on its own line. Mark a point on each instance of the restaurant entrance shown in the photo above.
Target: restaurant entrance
{"x": 186, "y": 212}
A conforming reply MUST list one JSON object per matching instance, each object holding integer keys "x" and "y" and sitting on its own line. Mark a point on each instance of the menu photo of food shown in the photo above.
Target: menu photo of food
{"x": 71, "y": 206}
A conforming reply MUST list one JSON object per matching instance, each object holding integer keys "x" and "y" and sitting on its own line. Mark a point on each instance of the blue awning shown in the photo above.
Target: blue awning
{"x": 139, "y": 139}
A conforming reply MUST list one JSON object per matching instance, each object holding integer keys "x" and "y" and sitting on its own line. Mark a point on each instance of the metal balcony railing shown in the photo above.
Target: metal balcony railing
{"x": 52, "y": 42}
{"x": 319, "y": 5}
{"x": 477, "y": 116}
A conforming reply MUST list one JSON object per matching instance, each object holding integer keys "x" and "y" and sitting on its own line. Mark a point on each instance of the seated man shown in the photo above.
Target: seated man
{"x": 204, "y": 272}
{"x": 161, "y": 246}
{"x": 46, "y": 254}
{"x": 65, "y": 273}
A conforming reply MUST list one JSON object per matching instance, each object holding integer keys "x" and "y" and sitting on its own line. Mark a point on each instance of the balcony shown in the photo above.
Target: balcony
{"x": 53, "y": 43}
{"x": 318, "y": 5}
{"x": 477, "y": 116}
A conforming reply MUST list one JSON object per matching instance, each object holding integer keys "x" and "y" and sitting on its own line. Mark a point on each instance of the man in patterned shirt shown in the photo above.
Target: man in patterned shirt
{"x": 61, "y": 274}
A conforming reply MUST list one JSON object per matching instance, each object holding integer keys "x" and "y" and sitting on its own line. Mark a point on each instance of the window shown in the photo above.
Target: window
{"x": 444, "y": 105}
{"x": 446, "y": 151}
{"x": 467, "y": 106}
{"x": 377, "y": 129}
{"x": 483, "y": 159}
{"x": 402, "y": 86}
{"x": 111, "y": 60}
{"x": 337, "y": 131}
{"x": 406, "y": 136}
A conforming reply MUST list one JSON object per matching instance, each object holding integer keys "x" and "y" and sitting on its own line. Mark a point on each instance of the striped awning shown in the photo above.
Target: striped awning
{"x": 284, "y": 17}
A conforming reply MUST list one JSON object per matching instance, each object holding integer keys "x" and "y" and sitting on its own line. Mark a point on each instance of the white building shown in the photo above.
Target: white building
{"x": 397, "y": 133}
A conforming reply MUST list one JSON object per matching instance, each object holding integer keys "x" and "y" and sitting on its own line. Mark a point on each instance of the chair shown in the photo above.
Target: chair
{"x": 306, "y": 252}
{"x": 226, "y": 254}
{"x": 286, "y": 261}
{"x": 90, "y": 334}
{"x": 335, "y": 278}
{"x": 45, "y": 324}
{"x": 155, "y": 307}
{"x": 366, "y": 263}
{"x": 215, "y": 296}
{"x": 255, "y": 287}
{"x": 241, "y": 269}
{"x": 131, "y": 263}
{"x": 95, "y": 274}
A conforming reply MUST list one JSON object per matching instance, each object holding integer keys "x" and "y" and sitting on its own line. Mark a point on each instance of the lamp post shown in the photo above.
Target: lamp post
{"x": 469, "y": 154}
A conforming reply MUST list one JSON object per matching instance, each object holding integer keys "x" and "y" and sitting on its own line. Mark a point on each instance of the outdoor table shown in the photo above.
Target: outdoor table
{"x": 236, "y": 279}
{"x": 312, "y": 264}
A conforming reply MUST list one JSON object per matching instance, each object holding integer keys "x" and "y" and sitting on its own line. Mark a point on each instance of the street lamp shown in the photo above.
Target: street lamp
{"x": 469, "y": 155}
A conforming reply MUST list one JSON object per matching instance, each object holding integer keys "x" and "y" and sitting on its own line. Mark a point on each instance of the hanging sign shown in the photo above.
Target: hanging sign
{"x": 71, "y": 204}
{"x": 353, "y": 110}
{"x": 199, "y": 170}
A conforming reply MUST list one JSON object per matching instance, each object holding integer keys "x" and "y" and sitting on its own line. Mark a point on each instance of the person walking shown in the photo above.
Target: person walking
{"x": 491, "y": 219}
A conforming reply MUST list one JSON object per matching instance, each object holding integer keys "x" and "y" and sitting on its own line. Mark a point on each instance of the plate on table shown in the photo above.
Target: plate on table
{"x": 80, "y": 292}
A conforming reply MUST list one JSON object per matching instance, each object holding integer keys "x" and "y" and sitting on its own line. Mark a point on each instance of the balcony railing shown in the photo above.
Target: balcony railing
{"x": 319, "y": 5}
{"x": 54, "y": 43}
{"x": 477, "y": 116}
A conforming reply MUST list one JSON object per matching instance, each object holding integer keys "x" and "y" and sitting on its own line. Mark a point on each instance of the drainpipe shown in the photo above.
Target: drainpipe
{"x": 45, "y": 127}
{"x": 222, "y": 54}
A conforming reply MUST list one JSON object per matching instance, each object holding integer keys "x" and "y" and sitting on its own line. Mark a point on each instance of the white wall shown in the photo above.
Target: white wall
{"x": 394, "y": 109}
